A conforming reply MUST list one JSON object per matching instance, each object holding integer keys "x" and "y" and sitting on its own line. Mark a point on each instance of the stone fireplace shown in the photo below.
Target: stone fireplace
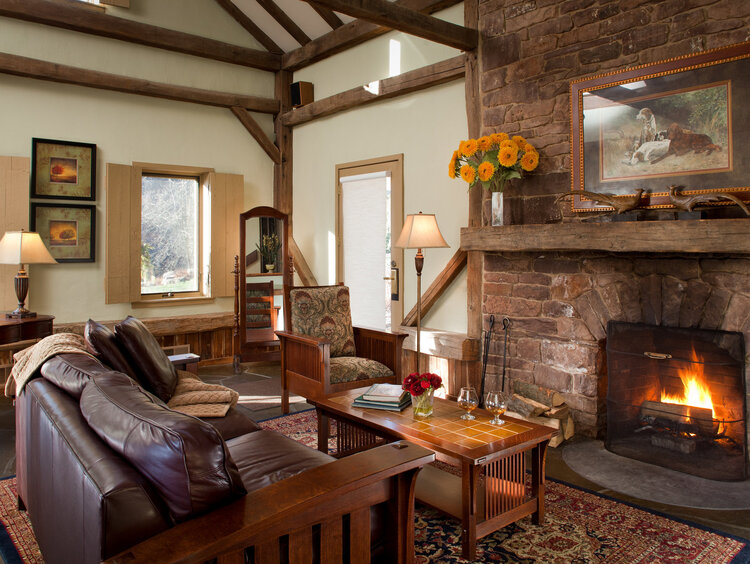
{"x": 561, "y": 288}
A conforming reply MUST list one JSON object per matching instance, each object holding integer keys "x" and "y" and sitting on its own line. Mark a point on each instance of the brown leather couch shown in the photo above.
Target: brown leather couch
{"x": 103, "y": 465}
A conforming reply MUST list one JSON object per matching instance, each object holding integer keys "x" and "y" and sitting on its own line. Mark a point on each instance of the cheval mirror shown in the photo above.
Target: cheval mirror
{"x": 262, "y": 274}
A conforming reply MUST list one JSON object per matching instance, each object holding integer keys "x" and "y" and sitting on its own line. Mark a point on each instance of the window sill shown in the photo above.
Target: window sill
{"x": 166, "y": 302}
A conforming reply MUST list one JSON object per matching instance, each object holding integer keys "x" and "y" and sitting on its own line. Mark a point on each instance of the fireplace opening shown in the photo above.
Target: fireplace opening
{"x": 676, "y": 398}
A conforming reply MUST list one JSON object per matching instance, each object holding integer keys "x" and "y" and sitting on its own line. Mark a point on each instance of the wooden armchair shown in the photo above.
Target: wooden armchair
{"x": 321, "y": 353}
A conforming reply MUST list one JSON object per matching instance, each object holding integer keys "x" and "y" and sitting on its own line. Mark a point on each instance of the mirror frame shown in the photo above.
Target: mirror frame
{"x": 286, "y": 268}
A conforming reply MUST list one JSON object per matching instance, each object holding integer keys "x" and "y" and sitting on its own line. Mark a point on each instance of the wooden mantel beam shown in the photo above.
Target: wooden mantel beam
{"x": 411, "y": 81}
{"x": 43, "y": 70}
{"x": 77, "y": 18}
{"x": 351, "y": 34}
{"x": 409, "y": 21}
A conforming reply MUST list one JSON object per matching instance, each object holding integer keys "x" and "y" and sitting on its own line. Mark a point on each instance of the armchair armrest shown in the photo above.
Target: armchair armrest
{"x": 305, "y": 359}
{"x": 322, "y": 497}
{"x": 383, "y": 346}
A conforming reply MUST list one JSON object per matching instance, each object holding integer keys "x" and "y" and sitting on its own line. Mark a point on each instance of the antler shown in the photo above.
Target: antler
{"x": 621, "y": 204}
{"x": 687, "y": 203}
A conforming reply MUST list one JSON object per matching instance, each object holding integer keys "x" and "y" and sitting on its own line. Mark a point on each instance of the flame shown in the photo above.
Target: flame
{"x": 696, "y": 392}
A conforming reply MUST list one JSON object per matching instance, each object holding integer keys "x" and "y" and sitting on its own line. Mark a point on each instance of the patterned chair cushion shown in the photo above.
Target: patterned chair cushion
{"x": 351, "y": 368}
{"x": 324, "y": 313}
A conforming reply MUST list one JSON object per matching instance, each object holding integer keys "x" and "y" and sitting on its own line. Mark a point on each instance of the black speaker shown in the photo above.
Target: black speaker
{"x": 301, "y": 93}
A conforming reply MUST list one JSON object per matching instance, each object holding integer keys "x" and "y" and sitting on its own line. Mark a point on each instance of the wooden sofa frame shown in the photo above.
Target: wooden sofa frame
{"x": 331, "y": 503}
{"x": 305, "y": 362}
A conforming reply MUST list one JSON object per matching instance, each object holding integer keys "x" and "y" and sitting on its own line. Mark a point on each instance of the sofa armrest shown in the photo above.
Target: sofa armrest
{"x": 383, "y": 346}
{"x": 333, "y": 497}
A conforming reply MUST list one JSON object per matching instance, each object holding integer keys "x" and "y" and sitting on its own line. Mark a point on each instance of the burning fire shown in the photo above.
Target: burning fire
{"x": 696, "y": 392}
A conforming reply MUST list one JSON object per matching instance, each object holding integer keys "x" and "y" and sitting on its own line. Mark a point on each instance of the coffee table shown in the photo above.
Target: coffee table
{"x": 487, "y": 493}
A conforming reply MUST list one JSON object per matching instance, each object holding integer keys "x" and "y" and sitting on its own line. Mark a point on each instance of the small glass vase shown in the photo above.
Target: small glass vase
{"x": 422, "y": 405}
{"x": 497, "y": 208}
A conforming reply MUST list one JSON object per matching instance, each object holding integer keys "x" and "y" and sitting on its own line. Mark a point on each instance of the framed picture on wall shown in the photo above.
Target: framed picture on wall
{"x": 63, "y": 170}
{"x": 677, "y": 123}
{"x": 69, "y": 231}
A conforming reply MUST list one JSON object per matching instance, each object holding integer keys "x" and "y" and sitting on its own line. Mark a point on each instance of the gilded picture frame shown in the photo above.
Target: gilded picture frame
{"x": 679, "y": 122}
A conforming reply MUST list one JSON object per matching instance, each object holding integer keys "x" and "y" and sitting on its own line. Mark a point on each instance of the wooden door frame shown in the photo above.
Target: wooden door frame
{"x": 395, "y": 165}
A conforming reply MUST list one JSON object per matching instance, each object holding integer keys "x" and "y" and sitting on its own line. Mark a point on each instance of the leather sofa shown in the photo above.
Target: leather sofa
{"x": 107, "y": 471}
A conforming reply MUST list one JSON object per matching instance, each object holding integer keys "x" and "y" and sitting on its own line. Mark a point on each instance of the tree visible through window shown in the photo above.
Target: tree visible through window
{"x": 170, "y": 227}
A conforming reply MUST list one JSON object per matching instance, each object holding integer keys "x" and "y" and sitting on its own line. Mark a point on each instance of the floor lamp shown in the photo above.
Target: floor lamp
{"x": 21, "y": 248}
{"x": 420, "y": 231}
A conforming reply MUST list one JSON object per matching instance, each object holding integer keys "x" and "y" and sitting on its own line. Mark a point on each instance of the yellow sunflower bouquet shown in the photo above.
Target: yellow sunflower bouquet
{"x": 492, "y": 160}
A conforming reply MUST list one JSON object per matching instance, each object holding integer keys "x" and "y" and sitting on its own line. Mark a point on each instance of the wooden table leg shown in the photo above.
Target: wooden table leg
{"x": 323, "y": 430}
{"x": 537, "y": 480}
{"x": 469, "y": 483}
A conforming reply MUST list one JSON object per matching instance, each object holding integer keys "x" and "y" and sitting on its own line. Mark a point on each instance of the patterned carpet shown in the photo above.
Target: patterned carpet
{"x": 579, "y": 528}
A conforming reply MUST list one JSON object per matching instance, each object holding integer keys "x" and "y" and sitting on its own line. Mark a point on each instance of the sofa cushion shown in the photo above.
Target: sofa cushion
{"x": 71, "y": 372}
{"x": 324, "y": 312}
{"x": 154, "y": 370}
{"x": 353, "y": 368}
{"x": 183, "y": 457}
{"x": 101, "y": 341}
{"x": 266, "y": 457}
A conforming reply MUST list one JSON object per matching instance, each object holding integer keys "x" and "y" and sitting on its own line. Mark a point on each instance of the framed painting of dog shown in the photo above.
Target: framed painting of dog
{"x": 680, "y": 122}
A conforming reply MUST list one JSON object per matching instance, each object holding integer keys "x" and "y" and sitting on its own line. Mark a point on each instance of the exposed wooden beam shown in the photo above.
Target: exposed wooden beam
{"x": 409, "y": 21}
{"x": 328, "y": 15}
{"x": 285, "y": 21}
{"x": 258, "y": 134}
{"x": 282, "y": 173}
{"x": 411, "y": 81}
{"x": 351, "y": 34}
{"x": 43, "y": 70}
{"x": 249, "y": 25}
{"x": 439, "y": 285}
{"x": 300, "y": 265}
{"x": 75, "y": 18}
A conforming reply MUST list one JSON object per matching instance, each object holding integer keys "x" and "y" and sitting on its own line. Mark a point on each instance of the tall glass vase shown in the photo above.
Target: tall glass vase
{"x": 497, "y": 208}
{"x": 422, "y": 405}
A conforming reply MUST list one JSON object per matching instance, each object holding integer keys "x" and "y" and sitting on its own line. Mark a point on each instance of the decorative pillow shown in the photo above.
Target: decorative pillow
{"x": 101, "y": 341}
{"x": 183, "y": 457}
{"x": 153, "y": 369}
{"x": 324, "y": 313}
{"x": 352, "y": 368}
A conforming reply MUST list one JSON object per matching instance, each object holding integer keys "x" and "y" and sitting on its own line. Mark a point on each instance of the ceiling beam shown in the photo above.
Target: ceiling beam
{"x": 258, "y": 134}
{"x": 406, "y": 83}
{"x": 285, "y": 21}
{"x": 79, "y": 19}
{"x": 385, "y": 13}
{"x": 249, "y": 25}
{"x": 328, "y": 15}
{"x": 351, "y": 34}
{"x": 43, "y": 70}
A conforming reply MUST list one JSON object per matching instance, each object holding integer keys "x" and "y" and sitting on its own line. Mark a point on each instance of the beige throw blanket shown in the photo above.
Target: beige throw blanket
{"x": 29, "y": 360}
{"x": 194, "y": 397}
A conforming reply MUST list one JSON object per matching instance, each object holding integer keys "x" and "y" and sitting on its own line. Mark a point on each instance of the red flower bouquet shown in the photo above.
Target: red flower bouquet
{"x": 422, "y": 389}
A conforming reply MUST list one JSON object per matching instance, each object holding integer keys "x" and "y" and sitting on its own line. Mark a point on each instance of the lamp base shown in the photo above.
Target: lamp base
{"x": 20, "y": 314}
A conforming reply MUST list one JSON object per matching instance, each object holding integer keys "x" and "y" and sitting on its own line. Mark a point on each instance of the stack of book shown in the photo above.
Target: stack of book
{"x": 384, "y": 396}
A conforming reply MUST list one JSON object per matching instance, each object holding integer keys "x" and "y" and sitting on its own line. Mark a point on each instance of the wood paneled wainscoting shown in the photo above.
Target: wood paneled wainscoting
{"x": 452, "y": 356}
{"x": 207, "y": 334}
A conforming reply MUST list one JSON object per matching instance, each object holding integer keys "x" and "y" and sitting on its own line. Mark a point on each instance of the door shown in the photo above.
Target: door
{"x": 369, "y": 217}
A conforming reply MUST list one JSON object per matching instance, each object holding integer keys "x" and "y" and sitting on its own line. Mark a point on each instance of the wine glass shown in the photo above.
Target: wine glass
{"x": 468, "y": 401}
{"x": 496, "y": 403}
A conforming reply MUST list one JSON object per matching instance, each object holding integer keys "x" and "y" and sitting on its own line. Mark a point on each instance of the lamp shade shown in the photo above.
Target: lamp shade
{"x": 24, "y": 247}
{"x": 420, "y": 231}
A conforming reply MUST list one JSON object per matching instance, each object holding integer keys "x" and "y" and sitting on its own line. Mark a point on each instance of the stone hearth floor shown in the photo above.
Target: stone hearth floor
{"x": 735, "y": 522}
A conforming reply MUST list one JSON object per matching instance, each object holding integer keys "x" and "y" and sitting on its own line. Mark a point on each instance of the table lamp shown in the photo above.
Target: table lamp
{"x": 21, "y": 248}
{"x": 420, "y": 231}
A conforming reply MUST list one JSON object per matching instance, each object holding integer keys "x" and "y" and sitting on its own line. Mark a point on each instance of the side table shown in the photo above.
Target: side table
{"x": 15, "y": 330}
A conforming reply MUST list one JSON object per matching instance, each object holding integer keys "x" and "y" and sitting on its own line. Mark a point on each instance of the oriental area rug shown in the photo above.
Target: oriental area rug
{"x": 580, "y": 527}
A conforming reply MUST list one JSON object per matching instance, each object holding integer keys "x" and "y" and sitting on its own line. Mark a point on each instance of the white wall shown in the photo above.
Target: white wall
{"x": 129, "y": 128}
{"x": 425, "y": 126}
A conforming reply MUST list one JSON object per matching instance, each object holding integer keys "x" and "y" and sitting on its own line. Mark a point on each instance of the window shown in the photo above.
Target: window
{"x": 172, "y": 233}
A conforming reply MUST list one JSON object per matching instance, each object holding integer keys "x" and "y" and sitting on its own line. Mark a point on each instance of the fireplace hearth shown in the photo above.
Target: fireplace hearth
{"x": 676, "y": 398}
